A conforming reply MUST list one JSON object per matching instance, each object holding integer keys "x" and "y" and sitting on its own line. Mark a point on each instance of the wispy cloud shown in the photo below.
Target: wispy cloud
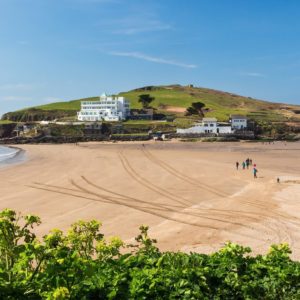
{"x": 141, "y": 27}
{"x": 134, "y": 24}
{"x": 159, "y": 60}
{"x": 252, "y": 74}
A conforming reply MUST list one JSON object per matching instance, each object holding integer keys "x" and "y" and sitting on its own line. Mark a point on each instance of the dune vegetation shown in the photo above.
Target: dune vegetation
{"x": 83, "y": 264}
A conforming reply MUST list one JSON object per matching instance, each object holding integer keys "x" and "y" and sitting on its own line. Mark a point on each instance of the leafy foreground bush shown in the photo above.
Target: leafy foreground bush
{"x": 83, "y": 265}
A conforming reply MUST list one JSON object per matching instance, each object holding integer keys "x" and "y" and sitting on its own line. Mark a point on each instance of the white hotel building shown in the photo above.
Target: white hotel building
{"x": 107, "y": 108}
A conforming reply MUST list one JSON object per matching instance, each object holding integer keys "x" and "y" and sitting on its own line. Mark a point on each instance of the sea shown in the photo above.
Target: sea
{"x": 9, "y": 155}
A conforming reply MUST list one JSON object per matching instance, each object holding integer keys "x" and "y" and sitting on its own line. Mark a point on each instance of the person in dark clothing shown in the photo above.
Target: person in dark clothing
{"x": 255, "y": 172}
{"x": 247, "y": 163}
{"x": 237, "y": 165}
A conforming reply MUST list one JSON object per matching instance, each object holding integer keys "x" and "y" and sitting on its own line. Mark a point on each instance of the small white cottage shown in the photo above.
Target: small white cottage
{"x": 208, "y": 125}
{"x": 238, "y": 122}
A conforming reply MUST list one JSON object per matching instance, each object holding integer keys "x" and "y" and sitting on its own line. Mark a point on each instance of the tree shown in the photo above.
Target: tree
{"x": 145, "y": 100}
{"x": 196, "y": 109}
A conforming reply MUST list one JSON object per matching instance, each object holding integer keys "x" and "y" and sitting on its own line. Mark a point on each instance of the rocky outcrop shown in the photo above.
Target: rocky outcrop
{"x": 6, "y": 130}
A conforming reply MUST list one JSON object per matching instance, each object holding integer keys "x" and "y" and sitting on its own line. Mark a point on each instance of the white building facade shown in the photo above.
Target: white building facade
{"x": 208, "y": 125}
{"x": 107, "y": 108}
{"x": 238, "y": 122}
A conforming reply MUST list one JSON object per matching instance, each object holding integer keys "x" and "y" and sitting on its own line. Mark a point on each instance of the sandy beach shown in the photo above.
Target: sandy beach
{"x": 190, "y": 194}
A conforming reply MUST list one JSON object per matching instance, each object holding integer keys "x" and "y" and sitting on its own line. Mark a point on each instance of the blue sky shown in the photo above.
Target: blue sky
{"x": 53, "y": 50}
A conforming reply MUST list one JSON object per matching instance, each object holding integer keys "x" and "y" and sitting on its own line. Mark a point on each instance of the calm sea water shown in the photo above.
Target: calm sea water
{"x": 7, "y": 153}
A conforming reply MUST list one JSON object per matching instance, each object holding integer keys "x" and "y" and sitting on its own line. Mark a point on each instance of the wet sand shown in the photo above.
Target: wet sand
{"x": 14, "y": 156}
{"x": 190, "y": 194}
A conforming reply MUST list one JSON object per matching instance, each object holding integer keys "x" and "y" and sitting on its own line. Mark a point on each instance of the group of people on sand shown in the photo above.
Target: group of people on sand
{"x": 246, "y": 164}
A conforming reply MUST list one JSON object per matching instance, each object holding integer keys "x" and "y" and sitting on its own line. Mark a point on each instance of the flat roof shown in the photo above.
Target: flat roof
{"x": 209, "y": 119}
{"x": 238, "y": 117}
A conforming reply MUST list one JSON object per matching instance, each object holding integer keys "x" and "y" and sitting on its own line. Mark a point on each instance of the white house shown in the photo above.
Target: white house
{"x": 208, "y": 125}
{"x": 238, "y": 122}
{"x": 107, "y": 108}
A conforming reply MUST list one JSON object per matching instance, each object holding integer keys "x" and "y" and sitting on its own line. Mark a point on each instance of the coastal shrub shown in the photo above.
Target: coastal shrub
{"x": 66, "y": 130}
{"x": 83, "y": 264}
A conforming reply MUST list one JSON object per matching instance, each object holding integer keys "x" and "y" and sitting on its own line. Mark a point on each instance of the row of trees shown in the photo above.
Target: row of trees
{"x": 82, "y": 264}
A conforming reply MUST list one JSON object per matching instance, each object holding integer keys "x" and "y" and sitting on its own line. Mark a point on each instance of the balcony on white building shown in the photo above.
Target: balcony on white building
{"x": 107, "y": 108}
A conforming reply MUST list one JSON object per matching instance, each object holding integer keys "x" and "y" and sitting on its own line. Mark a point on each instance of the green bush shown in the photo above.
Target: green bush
{"x": 66, "y": 130}
{"x": 82, "y": 264}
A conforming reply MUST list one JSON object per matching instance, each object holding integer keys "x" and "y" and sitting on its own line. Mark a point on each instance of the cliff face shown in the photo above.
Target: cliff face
{"x": 6, "y": 130}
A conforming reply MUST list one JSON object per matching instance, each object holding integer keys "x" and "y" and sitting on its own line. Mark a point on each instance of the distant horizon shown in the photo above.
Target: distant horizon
{"x": 55, "y": 51}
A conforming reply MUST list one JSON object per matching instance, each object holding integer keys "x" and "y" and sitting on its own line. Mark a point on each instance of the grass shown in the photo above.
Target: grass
{"x": 73, "y": 105}
{"x": 145, "y": 122}
{"x": 221, "y": 105}
{"x": 271, "y": 116}
{"x": 5, "y": 122}
{"x": 184, "y": 122}
{"x": 70, "y": 105}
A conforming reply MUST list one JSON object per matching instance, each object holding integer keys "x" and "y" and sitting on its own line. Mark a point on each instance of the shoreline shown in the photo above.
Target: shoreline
{"x": 18, "y": 158}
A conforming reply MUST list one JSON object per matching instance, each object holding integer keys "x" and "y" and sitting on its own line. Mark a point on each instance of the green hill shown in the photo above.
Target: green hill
{"x": 174, "y": 99}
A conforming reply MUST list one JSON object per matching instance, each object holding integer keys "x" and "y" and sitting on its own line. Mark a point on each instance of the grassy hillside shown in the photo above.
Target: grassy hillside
{"x": 174, "y": 99}
{"x": 73, "y": 105}
{"x": 221, "y": 104}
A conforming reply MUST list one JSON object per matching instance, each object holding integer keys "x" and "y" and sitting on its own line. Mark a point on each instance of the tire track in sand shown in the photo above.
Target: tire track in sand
{"x": 146, "y": 210}
{"x": 229, "y": 213}
{"x": 149, "y": 185}
{"x": 281, "y": 230}
{"x": 206, "y": 214}
{"x": 180, "y": 175}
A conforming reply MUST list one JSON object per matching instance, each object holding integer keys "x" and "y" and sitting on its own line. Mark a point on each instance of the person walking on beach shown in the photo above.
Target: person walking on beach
{"x": 250, "y": 161}
{"x": 247, "y": 162}
{"x": 244, "y": 165}
{"x": 255, "y": 172}
{"x": 237, "y": 165}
